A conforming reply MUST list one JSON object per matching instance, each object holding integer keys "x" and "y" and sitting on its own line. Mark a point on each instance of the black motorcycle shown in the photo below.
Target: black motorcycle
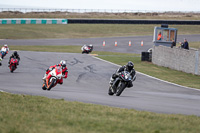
{"x": 120, "y": 83}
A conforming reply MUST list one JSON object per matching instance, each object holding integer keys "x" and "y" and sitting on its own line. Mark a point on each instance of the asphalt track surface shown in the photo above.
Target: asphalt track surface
{"x": 88, "y": 82}
{"x": 122, "y": 42}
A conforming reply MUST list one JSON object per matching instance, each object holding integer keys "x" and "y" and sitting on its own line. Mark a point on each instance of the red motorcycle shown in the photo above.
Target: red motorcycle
{"x": 13, "y": 64}
{"x": 55, "y": 75}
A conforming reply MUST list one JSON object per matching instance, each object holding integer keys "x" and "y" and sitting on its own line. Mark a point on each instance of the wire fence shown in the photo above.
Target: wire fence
{"x": 27, "y": 10}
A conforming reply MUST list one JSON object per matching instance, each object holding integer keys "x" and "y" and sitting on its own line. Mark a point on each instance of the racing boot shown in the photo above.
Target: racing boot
{"x": 45, "y": 75}
{"x": 111, "y": 81}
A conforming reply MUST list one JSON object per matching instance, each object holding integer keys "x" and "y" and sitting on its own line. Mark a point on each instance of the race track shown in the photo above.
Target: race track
{"x": 88, "y": 82}
{"x": 122, "y": 42}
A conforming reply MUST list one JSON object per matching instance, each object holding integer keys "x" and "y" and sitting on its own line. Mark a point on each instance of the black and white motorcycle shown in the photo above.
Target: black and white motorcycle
{"x": 87, "y": 49}
{"x": 120, "y": 83}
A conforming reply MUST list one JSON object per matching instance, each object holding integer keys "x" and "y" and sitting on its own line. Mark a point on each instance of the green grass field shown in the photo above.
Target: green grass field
{"x": 84, "y": 30}
{"x": 34, "y": 114}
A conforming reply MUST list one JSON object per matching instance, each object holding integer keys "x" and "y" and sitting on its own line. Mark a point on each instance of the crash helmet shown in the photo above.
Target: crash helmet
{"x": 15, "y": 53}
{"x": 5, "y": 45}
{"x": 90, "y": 45}
{"x": 129, "y": 66}
{"x": 63, "y": 64}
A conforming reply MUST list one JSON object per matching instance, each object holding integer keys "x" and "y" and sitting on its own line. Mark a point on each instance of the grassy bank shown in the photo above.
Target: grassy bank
{"x": 167, "y": 74}
{"x": 28, "y": 114}
{"x": 84, "y": 30}
{"x": 194, "y": 45}
{"x": 102, "y": 15}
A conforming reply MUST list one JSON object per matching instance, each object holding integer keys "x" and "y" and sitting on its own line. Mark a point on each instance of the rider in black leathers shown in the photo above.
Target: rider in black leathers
{"x": 14, "y": 55}
{"x": 130, "y": 68}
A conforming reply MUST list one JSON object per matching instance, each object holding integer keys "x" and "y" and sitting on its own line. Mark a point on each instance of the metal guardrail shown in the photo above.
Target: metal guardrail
{"x": 94, "y": 21}
{"x": 33, "y": 21}
{"x": 113, "y": 21}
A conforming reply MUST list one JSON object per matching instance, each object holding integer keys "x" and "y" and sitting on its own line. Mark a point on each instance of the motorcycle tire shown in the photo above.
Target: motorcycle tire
{"x": 43, "y": 87}
{"x": 121, "y": 89}
{"x": 51, "y": 85}
{"x": 12, "y": 69}
{"x": 110, "y": 91}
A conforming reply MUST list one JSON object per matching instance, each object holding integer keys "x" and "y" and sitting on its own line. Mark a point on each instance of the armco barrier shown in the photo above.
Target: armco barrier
{"x": 33, "y": 21}
{"x": 95, "y": 21}
{"x": 122, "y": 21}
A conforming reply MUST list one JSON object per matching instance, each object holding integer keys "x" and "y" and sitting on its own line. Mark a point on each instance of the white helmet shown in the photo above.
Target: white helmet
{"x": 90, "y": 45}
{"x": 5, "y": 45}
{"x": 63, "y": 63}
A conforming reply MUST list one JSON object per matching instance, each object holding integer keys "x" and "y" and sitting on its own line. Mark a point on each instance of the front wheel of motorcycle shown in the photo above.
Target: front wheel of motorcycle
{"x": 110, "y": 91}
{"x": 44, "y": 87}
{"x": 51, "y": 84}
{"x": 12, "y": 69}
{"x": 120, "y": 89}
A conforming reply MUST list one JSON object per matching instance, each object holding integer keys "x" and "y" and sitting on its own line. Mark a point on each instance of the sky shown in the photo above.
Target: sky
{"x": 151, "y": 5}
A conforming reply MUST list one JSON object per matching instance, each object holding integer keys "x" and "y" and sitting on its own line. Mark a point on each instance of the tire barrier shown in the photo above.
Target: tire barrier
{"x": 33, "y": 21}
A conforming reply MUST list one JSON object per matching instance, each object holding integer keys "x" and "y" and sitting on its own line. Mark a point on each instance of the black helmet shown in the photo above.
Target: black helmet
{"x": 15, "y": 53}
{"x": 129, "y": 66}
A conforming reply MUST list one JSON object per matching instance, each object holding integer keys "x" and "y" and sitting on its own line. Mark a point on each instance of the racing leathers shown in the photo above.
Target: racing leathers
{"x": 64, "y": 74}
{"x": 16, "y": 56}
{"x": 124, "y": 68}
{"x": 4, "y": 49}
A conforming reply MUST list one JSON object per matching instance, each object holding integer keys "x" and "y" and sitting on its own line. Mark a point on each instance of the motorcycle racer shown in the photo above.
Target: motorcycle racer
{"x": 4, "y": 50}
{"x": 87, "y": 48}
{"x": 128, "y": 67}
{"x": 62, "y": 64}
{"x": 14, "y": 55}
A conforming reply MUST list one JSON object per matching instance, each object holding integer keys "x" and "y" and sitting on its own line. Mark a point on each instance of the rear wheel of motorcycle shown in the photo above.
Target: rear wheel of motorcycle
{"x": 121, "y": 89}
{"x": 12, "y": 69}
{"x": 51, "y": 84}
{"x": 110, "y": 91}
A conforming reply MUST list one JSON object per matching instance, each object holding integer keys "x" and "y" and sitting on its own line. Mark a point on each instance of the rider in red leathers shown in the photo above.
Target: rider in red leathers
{"x": 64, "y": 72}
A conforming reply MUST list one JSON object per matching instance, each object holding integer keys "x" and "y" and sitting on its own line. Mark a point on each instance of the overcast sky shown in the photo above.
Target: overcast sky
{"x": 156, "y": 5}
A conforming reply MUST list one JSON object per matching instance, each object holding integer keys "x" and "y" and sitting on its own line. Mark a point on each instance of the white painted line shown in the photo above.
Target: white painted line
{"x": 151, "y": 76}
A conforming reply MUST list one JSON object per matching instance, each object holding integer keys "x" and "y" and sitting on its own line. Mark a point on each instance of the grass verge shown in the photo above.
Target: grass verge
{"x": 102, "y": 15}
{"x": 28, "y": 114}
{"x": 163, "y": 73}
{"x": 85, "y": 30}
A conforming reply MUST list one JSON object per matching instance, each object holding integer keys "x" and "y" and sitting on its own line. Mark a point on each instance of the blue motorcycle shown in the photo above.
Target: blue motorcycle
{"x": 2, "y": 54}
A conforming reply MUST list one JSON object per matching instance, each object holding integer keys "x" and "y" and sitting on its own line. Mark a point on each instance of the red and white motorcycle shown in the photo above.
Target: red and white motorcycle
{"x": 87, "y": 49}
{"x": 52, "y": 78}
